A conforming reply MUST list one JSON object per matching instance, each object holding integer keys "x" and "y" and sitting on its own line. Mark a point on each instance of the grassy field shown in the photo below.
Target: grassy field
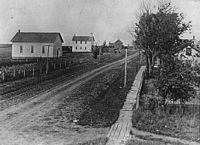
{"x": 152, "y": 142}
{"x": 98, "y": 141}
{"x": 5, "y": 51}
{"x": 169, "y": 121}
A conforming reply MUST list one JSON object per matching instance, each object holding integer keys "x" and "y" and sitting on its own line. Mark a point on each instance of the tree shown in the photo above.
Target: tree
{"x": 95, "y": 51}
{"x": 158, "y": 34}
{"x": 175, "y": 81}
{"x": 104, "y": 47}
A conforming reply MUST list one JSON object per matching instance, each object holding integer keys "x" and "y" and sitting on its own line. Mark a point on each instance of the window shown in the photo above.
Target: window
{"x": 76, "y": 47}
{"x": 76, "y": 42}
{"x": 43, "y": 49}
{"x": 85, "y": 42}
{"x": 80, "y": 47}
{"x": 85, "y": 48}
{"x": 32, "y": 49}
{"x": 81, "y": 42}
{"x": 58, "y": 51}
{"x": 21, "y": 49}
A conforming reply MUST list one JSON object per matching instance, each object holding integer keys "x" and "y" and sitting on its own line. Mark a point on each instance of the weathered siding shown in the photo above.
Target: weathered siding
{"x": 27, "y": 50}
{"x": 57, "y": 47}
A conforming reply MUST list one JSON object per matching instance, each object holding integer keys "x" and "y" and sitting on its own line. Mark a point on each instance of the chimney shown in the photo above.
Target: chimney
{"x": 193, "y": 37}
{"x": 19, "y": 30}
{"x": 92, "y": 38}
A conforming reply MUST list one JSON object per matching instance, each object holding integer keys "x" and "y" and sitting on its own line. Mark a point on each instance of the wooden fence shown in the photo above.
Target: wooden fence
{"x": 19, "y": 71}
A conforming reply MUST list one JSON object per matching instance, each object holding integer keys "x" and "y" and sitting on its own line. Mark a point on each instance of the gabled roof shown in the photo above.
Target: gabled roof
{"x": 119, "y": 41}
{"x": 83, "y": 38}
{"x": 36, "y": 37}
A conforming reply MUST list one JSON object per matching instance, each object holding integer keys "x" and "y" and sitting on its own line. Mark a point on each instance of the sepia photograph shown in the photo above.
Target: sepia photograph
{"x": 99, "y": 72}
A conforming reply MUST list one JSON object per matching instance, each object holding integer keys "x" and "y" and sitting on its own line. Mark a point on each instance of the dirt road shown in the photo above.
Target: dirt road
{"x": 19, "y": 124}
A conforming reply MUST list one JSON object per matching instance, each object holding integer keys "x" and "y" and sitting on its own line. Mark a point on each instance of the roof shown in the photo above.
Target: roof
{"x": 118, "y": 41}
{"x": 197, "y": 49}
{"x": 82, "y": 38}
{"x": 36, "y": 37}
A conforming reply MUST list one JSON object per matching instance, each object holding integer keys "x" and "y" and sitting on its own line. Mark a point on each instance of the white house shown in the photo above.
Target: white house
{"x": 34, "y": 44}
{"x": 82, "y": 43}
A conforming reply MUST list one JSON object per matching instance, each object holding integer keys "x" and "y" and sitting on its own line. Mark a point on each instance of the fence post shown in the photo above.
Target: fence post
{"x": 41, "y": 68}
{"x": 14, "y": 72}
{"x": 3, "y": 75}
{"x": 24, "y": 72}
{"x": 33, "y": 70}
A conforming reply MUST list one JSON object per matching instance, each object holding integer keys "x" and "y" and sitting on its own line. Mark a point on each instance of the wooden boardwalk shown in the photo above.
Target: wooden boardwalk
{"x": 120, "y": 131}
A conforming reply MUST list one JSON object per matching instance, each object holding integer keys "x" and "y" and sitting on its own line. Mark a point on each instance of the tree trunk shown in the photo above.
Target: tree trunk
{"x": 161, "y": 67}
{"x": 147, "y": 63}
{"x": 150, "y": 69}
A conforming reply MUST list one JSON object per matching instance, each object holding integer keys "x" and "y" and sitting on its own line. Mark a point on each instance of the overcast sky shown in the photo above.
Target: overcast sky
{"x": 108, "y": 19}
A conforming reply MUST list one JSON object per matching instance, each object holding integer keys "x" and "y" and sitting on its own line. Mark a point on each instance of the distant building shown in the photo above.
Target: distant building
{"x": 111, "y": 45}
{"x": 34, "y": 44}
{"x": 82, "y": 43}
{"x": 117, "y": 46}
{"x": 190, "y": 53}
{"x": 66, "y": 49}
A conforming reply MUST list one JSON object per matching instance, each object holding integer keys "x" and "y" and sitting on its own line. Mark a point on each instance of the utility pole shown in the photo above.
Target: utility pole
{"x": 125, "y": 68}
{"x": 99, "y": 53}
{"x": 139, "y": 56}
{"x": 47, "y": 65}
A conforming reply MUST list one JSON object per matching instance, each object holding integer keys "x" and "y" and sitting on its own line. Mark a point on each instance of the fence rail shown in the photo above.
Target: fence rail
{"x": 19, "y": 71}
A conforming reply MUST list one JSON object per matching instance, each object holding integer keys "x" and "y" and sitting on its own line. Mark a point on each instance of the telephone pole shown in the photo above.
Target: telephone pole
{"x": 99, "y": 53}
{"x": 125, "y": 68}
{"x": 47, "y": 65}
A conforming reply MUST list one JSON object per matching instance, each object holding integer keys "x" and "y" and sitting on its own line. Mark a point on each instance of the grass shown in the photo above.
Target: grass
{"x": 166, "y": 121}
{"x": 98, "y": 105}
{"x": 98, "y": 141}
{"x": 5, "y": 52}
{"x": 103, "y": 107}
{"x": 152, "y": 142}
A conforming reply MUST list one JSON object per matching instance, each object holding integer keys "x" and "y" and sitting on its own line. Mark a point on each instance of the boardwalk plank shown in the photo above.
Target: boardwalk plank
{"x": 120, "y": 131}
